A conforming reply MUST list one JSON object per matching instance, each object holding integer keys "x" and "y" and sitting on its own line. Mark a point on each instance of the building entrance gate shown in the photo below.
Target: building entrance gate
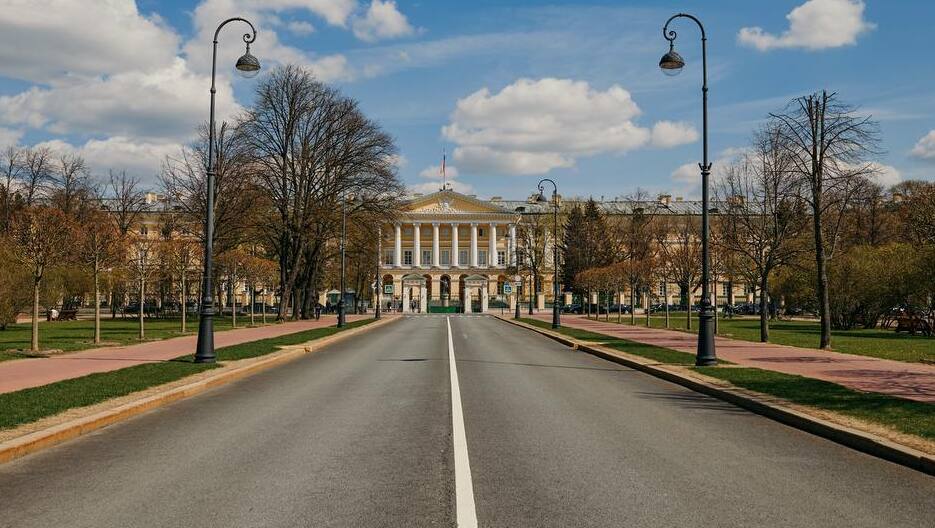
{"x": 415, "y": 295}
{"x": 475, "y": 294}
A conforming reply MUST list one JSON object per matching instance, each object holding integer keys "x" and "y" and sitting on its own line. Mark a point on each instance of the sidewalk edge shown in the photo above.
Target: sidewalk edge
{"x": 40, "y": 440}
{"x": 760, "y": 404}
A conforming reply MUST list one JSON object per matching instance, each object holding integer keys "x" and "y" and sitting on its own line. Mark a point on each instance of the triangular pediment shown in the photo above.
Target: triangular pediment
{"x": 451, "y": 202}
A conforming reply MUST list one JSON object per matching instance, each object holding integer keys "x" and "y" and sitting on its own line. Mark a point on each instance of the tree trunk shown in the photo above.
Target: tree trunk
{"x": 252, "y": 303}
{"x": 97, "y": 307}
{"x": 648, "y": 314}
{"x": 619, "y": 306}
{"x": 184, "y": 303}
{"x": 714, "y": 304}
{"x": 142, "y": 305}
{"x": 632, "y": 305}
{"x": 34, "y": 346}
{"x": 665, "y": 293}
{"x": 764, "y": 316}
{"x": 688, "y": 316}
{"x": 233, "y": 304}
{"x": 824, "y": 303}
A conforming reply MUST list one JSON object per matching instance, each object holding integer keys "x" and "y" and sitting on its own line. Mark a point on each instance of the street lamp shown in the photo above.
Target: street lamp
{"x": 341, "y": 308}
{"x": 379, "y": 289}
{"x": 247, "y": 66}
{"x": 556, "y": 318}
{"x": 671, "y": 64}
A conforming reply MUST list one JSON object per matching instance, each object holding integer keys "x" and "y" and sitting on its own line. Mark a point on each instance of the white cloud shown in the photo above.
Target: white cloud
{"x": 9, "y": 136}
{"x": 300, "y": 27}
{"x": 140, "y": 159}
{"x": 814, "y": 25}
{"x": 668, "y": 134}
{"x": 434, "y": 172}
{"x": 381, "y": 21}
{"x": 687, "y": 177}
{"x": 45, "y": 39}
{"x": 925, "y": 147}
{"x": 885, "y": 175}
{"x": 163, "y": 103}
{"x": 533, "y": 126}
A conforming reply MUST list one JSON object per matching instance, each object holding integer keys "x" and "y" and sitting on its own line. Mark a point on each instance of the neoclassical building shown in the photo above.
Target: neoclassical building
{"x": 449, "y": 250}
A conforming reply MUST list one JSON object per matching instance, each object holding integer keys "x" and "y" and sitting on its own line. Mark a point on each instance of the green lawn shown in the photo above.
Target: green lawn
{"x": 28, "y": 405}
{"x": 655, "y": 353}
{"x": 879, "y": 343}
{"x": 70, "y": 336}
{"x": 906, "y": 416}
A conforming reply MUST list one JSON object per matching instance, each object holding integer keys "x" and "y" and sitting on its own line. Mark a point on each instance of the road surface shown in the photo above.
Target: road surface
{"x": 380, "y": 431}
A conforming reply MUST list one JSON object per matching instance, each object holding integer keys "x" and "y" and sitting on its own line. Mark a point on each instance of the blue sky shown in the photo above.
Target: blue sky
{"x": 513, "y": 91}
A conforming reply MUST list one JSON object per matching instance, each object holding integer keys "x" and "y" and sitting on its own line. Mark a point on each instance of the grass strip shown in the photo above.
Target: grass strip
{"x": 906, "y": 416}
{"x": 652, "y": 352}
{"x": 28, "y": 405}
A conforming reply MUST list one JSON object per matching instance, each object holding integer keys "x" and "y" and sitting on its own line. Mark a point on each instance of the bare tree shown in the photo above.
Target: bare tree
{"x": 41, "y": 236}
{"x": 70, "y": 179}
{"x": 36, "y": 173}
{"x": 311, "y": 149}
{"x": 829, "y": 146}
{"x": 680, "y": 245}
{"x": 12, "y": 160}
{"x": 127, "y": 203}
{"x": 184, "y": 180}
{"x": 182, "y": 255}
{"x": 763, "y": 213}
{"x": 101, "y": 247}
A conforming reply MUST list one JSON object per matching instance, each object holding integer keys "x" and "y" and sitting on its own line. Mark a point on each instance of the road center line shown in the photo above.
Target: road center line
{"x": 464, "y": 487}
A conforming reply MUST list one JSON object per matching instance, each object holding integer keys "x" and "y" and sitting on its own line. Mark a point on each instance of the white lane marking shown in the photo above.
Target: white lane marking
{"x": 464, "y": 487}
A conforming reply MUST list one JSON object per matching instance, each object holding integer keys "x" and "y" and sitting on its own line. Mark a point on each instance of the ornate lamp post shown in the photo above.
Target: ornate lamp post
{"x": 247, "y": 66}
{"x": 379, "y": 290}
{"x": 342, "y": 309}
{"x": 556, "y": 317}
{"x": 671, "y": 64}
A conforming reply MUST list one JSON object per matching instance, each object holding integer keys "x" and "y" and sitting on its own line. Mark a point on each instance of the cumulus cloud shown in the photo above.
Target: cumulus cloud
{"x": 814, "y": 25}
{"x": 885, "y": 175}
{"x": 533, "y": 126}
{"x": 382, "y": 20}
{"x": 9, "y": 136}
{"x": 687, "y": 177}
{"x": 165, "y": 102}
{"x": 434, "y": 172}
{"x": 300, "y": 27}
{"x": 668, "y": 134}
{"x": 81, "y": 38}
{"x": 925, "y": 147}
{"x": 138, "y": 158}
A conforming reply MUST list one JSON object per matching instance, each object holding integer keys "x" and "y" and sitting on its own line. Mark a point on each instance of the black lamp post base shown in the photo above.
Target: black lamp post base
{"x": 706, "y": 356}
{"x": 342, "y": 320}
{"x": 204, "y": 352}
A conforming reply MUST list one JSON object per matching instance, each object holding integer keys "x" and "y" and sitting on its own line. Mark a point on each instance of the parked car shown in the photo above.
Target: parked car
{"x": 572, "y": 308}
{"x": 620, "y": 308}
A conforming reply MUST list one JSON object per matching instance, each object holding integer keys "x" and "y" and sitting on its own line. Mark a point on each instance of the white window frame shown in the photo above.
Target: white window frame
{"x": 464, "y": 257}
{"x": 426, "y": 257}
{"x": 407, "y": 257}
{"x": 445, "y": 257}
{"x": 482, "y": 258}
{"x": 501, "y": 258}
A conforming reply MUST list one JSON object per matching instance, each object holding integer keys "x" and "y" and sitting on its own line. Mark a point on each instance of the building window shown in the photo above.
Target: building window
{"x": 407, "y": 230}
{"x": 463, "y": 257}
{"x": 501, "y": 258}
{"x": 725, "y": 289}
{"x": 426, "y": 257}
{"x": 446, "y": 257}
{"x": 444, "y": 231}
{"x": 662, "y": 289}
{"x": 482, "y": 257}
{"x": 388, "y": 257}
{"x": 480, "y": 231}
{"x": 407, "y": 257}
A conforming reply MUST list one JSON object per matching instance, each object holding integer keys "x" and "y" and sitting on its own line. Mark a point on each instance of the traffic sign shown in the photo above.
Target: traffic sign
{"x": 388, "y": 289}
{"x": 507, "y": 288}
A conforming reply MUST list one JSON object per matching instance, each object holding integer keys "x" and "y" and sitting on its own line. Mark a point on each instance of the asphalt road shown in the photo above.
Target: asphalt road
{"x": 361, "y": 434}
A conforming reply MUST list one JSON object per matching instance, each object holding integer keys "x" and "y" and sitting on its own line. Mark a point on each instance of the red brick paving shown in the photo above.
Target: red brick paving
{"x": 24, "y": 373}
{"x": 914, "y": 381}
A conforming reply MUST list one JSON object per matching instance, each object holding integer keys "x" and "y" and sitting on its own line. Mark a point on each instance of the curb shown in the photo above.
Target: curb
{"x": 39, "y": 440}
{"x": 755, "y": 402}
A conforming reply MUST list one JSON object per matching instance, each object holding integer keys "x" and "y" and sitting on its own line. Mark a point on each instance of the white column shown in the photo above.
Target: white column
{"x": 492, "y": 247}
{"x": 398, "y": 249}
{"x": 435, "y": 253}
{"x": 473, "y": 245}
{"x": 454, "y": 246}
{"x": 416, "y": 246}
{"x": 512, "y": 260}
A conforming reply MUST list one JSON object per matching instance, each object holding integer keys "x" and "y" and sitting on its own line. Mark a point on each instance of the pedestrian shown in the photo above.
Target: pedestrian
{"x": 317, "y": 310}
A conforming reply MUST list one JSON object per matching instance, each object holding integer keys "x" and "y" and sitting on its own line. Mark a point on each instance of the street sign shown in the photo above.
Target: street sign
{"x": 507, "y": 288}
{"x": 388, "y": 289}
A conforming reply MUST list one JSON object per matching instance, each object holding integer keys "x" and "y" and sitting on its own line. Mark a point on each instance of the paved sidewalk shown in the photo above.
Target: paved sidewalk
{"x": 913, "y": 381}
{"x": 33, "y": 372}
